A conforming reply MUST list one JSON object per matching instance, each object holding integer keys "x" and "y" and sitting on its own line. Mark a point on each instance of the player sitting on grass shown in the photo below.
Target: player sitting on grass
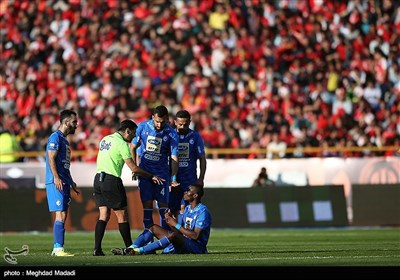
{"x": 188, "y": 237}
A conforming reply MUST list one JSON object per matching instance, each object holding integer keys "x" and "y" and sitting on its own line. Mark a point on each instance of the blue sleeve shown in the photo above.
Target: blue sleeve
{"x": 200, "y": 146}
{"x": 174, "y": 143}
{"x": 53, "y": 143}
{"x": 137, "y": 138}
{"x": 202, "y": 220}
{"x": 180, "y": 218}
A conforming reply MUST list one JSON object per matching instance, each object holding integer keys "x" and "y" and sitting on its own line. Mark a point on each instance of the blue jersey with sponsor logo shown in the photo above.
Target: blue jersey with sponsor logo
{"x": 199, "y": 217}
{"x": 191, "y": 148}
{"x": 156, "y": 147}
{"x": 58, "y": 142}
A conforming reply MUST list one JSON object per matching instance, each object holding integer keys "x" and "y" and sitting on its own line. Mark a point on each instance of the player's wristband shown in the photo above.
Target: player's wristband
{"x": 173, "y": 177}
{"x": 178, "y": 226}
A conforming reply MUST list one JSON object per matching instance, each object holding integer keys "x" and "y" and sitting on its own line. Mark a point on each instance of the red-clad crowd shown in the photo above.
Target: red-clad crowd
{"x": 253, "y": 74}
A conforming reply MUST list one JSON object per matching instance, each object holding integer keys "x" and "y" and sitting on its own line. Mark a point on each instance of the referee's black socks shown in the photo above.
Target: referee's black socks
{"x": 125, "y": 231}
{"x": 99, "y": 233}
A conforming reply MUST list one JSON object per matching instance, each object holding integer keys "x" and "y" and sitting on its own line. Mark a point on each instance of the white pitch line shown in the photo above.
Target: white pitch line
{"x": 258, "y": 259}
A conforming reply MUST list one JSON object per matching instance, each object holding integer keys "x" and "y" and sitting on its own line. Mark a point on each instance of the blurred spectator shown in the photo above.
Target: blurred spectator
{"x": 276, "y": 148}
{"x": 241, "y": 68}
{"x": 262, "y": 179}
{"x": 8, "y": 145}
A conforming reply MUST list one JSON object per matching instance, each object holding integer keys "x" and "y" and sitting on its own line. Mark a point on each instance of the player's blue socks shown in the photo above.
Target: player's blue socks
{"x": 145, "y": 237}
{"x": 147, "y": 217}
{"x": 156, "y": 245}
{"x": 162, "y": 218}
{"x": 59, "y": 233}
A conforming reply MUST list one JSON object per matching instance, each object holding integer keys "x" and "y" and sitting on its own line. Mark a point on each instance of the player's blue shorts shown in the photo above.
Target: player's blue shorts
{"x": 58, "y": 200}
{"x": 191, "y": 247}
{"x": 150, "y": 191}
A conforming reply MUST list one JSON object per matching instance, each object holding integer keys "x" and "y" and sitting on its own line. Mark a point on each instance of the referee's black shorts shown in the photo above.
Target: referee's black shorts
{"x": 111, "y": 192}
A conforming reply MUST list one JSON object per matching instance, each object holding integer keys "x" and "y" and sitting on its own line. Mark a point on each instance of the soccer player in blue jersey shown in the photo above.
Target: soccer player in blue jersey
{"x": 58, "y": 177}
{"x": 158, "y": 143}
{"x": 190, "y": 236}
{"x": 191, "y": 150}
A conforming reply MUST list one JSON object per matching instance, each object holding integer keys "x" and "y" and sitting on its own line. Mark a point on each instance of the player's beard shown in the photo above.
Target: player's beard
{"x": 159, "y": 129}
{"x": 183, "y": 131}
{"x": 72, "y": 130}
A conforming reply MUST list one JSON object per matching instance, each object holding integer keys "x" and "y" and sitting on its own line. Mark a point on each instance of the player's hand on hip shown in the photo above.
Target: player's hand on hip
{"x": 59, "y": 184}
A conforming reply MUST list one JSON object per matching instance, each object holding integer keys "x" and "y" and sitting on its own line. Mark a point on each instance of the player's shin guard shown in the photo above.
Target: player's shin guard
{"x": 147, "y": 218}
{"x": 159, "y": 244}
{"x": 162, "y": 218}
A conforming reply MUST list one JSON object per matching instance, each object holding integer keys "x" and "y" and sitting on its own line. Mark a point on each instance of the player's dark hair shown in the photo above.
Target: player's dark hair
{"x": 183, "y": 114}
{"x": 66, "y": 114}
{"x": 127, "y": 124}
{"x": 161, "y": 111}
{"x": 198, "y": 189}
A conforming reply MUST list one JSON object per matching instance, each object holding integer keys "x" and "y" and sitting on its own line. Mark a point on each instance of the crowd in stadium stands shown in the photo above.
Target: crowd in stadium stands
{"x": 253, "y": 74}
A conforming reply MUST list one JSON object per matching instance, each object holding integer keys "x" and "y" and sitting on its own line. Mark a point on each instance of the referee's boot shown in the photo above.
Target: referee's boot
{"x": 98, "y": 252}
{"x": 130, "y": 251}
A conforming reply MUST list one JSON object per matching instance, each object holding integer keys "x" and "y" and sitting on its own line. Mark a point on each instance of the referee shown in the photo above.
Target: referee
{"x": 109, "y": 191}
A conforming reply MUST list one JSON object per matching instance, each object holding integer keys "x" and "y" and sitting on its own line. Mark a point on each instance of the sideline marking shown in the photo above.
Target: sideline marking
{"x": 266, "y": 258}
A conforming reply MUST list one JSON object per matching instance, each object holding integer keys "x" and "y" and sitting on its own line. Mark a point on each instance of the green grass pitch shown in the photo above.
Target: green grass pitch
{"x": 234, "y": 248}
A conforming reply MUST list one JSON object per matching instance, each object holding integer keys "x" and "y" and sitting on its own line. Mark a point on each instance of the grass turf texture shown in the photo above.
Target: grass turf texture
{"x": 227, "y": 247}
